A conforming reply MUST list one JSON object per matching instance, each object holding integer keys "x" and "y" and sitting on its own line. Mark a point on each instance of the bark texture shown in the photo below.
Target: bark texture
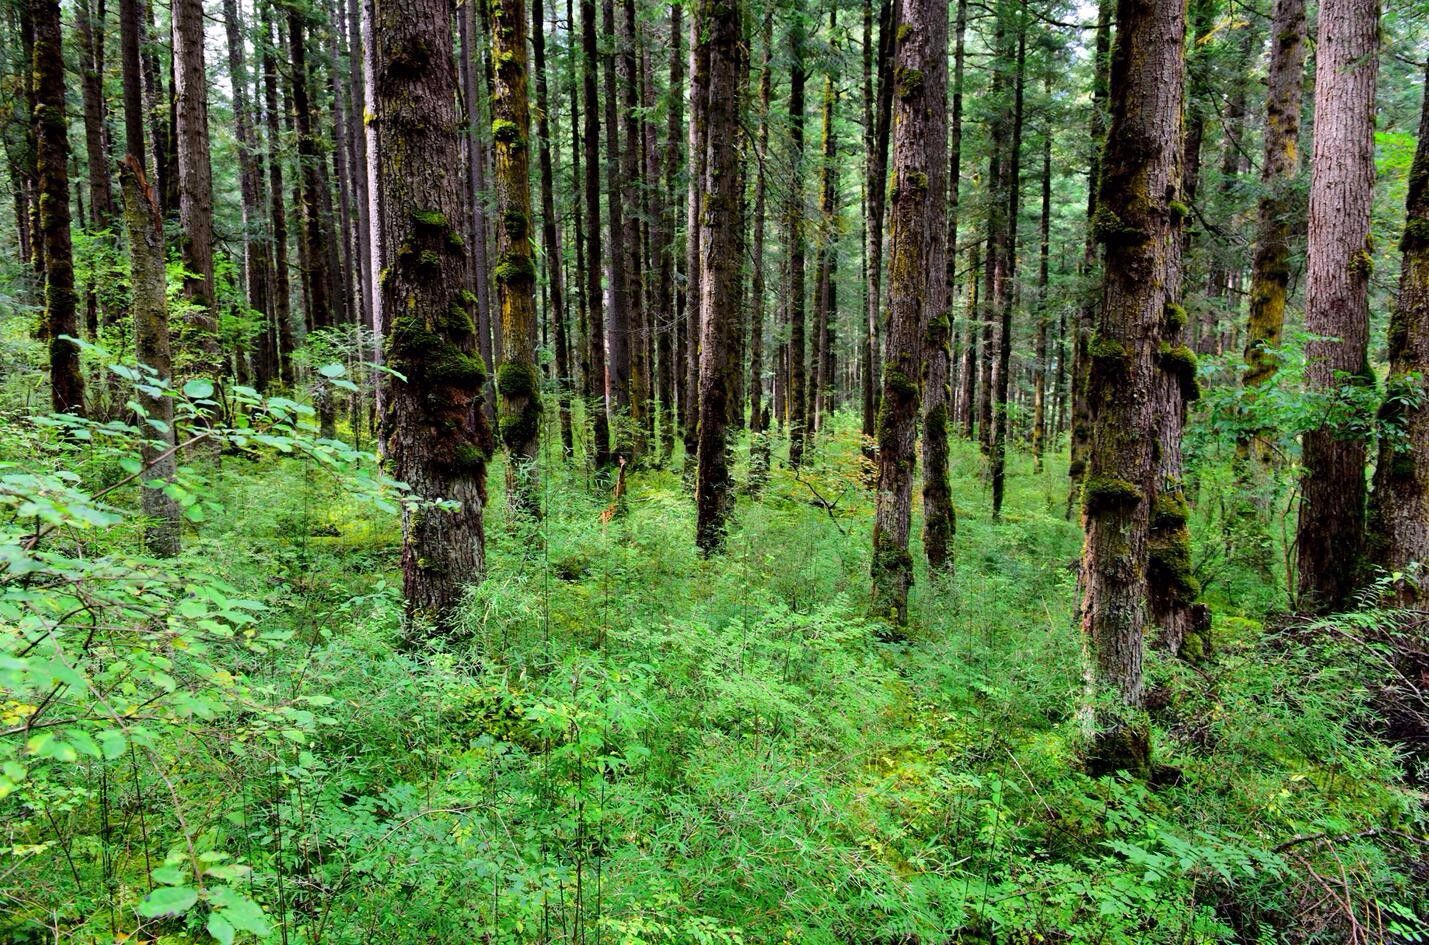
{"x": 195, "y": 183}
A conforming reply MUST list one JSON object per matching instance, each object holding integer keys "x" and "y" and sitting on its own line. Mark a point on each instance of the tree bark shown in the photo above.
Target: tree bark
{"x": 635, "y": 334}
{"x": 598, "y": 377}
{"x": 52, "y": 165}
{"x": 694, "y": 170}
{"x": 1400, "y": 506}
{"x": 1007, "y": 261}
{"x": 617, "y": 324}
{"x": 916, "y": 272}
{"x": 195, "y": 182}
{"x": 876, "y": 119}
{"x": 824, "y": 280}
{"x": 282, "y": 306}
{"x": 1330, "y": 536}
{"x": 1134, "y": 222}
{"x": 91, "y": 56}
{"x": 1044, "y": 317}
{"x": 794, "y": 223}
{"x": 720, "y": 239}
{"x": 758, "y": 417}
{"x": 437, "y": 439}
{"x": 517, "y": 379}
{"x": 667, "y": 347}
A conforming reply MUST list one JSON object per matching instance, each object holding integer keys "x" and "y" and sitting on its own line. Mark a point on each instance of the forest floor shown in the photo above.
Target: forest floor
{"x": 630, "y": 743}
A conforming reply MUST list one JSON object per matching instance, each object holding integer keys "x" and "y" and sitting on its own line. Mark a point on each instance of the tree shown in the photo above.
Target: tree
{"x": 915, "y": 282}
{"x": 1004, "y": 270}
{"x": 794, "y": 223}
{"x": 52, "y": 164}
{"x": 436, "y": 436}
{"x": 91, "y": 54}
{"x": 1400, "y": 508}
{"x": 597, "y": 378}
{"x": 1330, "y": 535}
{"x": 278, "y": 216}
{"x": 549, "y": 240}
{"x": 517, "y": 379}
{"x": 1135, "y": 224}
{"x": 720, "y": 240}
{"x": 758, "y": 421}
{"x": 195, "y": 180}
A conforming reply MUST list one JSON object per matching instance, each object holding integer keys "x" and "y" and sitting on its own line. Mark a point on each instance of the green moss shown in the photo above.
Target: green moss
{"x": 1180, "y": 362}
{"x": 1076, "y": 468}
{"x": 1107, "y": 350}
{"x": 1416, "y": 235}
{"x": 430, "y": 260}
{"x": 904, "y": 31}
{"x": 1362, "y": 263}
{"x": 1107, "y": 227}
{"x": 1176, "y": 317}
{"x": 907, "y": 82}
{"x": 515, "y": 223}
{"x": 507, "y": 132}
{"x": 1170, "y": 565}
{"x": 1107, "y": 493}
{"x": 470, "y": 457}
{"x": 429, "y": 218}
{"x": 514, "y": 268}
{"x": 1169, "y": 511}
{"x": 918, "y": 181}
{"x": 1179, "y": 211}
{"x": 520, "y": 429}
{"x": 514, "y": 379}
{"x": 899, "y": 384}
{"x": 453, "y": 367}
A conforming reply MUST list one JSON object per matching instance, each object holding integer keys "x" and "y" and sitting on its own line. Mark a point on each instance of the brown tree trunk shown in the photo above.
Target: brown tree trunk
{"x": 633, "y": 368}
{"x": 1044, "y": 317}
{"x": 1270, "y": 266}
{"x": 758, "y": 415}
{"x": 195, "y": 182}
{"x": 916, "y": 271}
{"x": 1330, "y": 537}
{"x": 939, "y": 518}
{"x": 91, "y": 56}
{"x": 968, "y": 366}
{"x": 145, "y": 227}
{"x": 1081, "y": 420}
{"x": 517, "y": 379}
{"x": 130, "y": 29}
{"x": 794, "y": 222}
{"x": 1400, "y": 507}
{"x": 437, "y": 439}
{"x": 1134, "y": 222}
{"x": 821, "y": 401}
{"x": 549, "y": 240}
{"x": 476, "y": 187}
{"x": 52, "y": 164}
{"x": 668, "y": 309}
{"x": 720, "y": 242}
{"x": 617, "y": 324}
{"x": 282, "y": 307}
{"x": 694, "y": 169}
{"x": 1007, "y": 260}
{"x": 158, "y": 105}
{"x": 598, "y": 377}
{"x": 876, "y": 120}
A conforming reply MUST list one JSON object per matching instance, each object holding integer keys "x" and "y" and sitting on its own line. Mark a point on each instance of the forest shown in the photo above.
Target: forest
{"x": 714, "y": 472}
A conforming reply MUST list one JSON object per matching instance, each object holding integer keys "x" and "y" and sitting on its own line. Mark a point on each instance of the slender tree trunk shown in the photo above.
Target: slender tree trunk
{"x": 517, "y": 380}
{"x": 1330, "y": 537}
{"x": 1270, "y": 266}
{"x": 794, "y": 221}
{"x": 357, "y": 145}
{"x": 1081, "y": 425}
{"x": 476, "y": 185}
{"x": 282, "y": 307}
{"x": 549, "y": 240}
{"x": 617, "y": 324}
{"x": 437, "y": 439}
{"x": 939, "y": 518}
{"x": 720, "y": 239}
{"x": 1007, "y": 260}
{"x": 876, "y": 119}
{"x": 145, "y": 226}
{"x": 130, "y": 29}
{"x": 694, "y": 169}
{"x": 598, "y": 377}
{"x": 52, "y": 163}
{"x": 1134, "y": 222}
{"x": 1400, "y": 507}
{"x": 758, "y": 416}
{"x": 968, "y": 369}
{"x": 1044, "y": 317}
{"x": 157, "y": 105}
{"x": 822, "y": 399}
{"x": 195, "y": 181}
{"x": 91, "y": 55}
{"x": 916, "y": 271}
{"x": 633, "y": 367}
{"x": 669, "y": 313}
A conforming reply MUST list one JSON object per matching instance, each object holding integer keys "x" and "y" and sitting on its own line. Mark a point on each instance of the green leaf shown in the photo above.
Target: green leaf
{"x": 168, "y": 900}
{"x": 168, "y": 875}
{"x": 332, "y": 370}
{"x": 220, "y": 928}
{"x": 199, "y": 388}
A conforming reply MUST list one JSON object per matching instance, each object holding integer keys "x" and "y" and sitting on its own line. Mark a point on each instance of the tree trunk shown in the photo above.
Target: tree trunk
{"x": 794, "y": 221}
{"x": 145, "y": 227}
{"x": 1400, "y": 507}
{"x": 52, "y": 164}
{"x": 1044, "y": 318}
{"x": 668, "y": 304}
{"x": 939, "y": 517}
{"x": 1270, "y": 266}
{"x": 720, "y": 241}
{"x": 617, "y": 325}
{"x": 968, "y": 367}
{"x": 758, "y": 416}
{"x": 1081, "y": 421}
{"x": 195, "y": 182}
{"x": 694, "y": 170}
{"x": 548, "y": 224}
{"x": 1134, "y": 221}
{"x": 1330, "y": 537}
{"x": 1007, "y": 259}
{"x": 633, "y": 368}
{"x": 437, "y": 439}
{"x": 282, "y": 307}
{"x": 824, "y": 315}
{"x": 517, "y": 379}
{"x": 876, "y": 120}
{"x": 598, "y": 377}
{"x": 158, "y": 105}
{"x": 916, "y": 272}
{"x": 91, "y": 55}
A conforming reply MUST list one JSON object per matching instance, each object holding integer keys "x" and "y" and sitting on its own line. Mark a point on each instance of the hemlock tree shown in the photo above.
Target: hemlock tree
{"x": 517, "y": 379}
{"x": 720, "y": 304}
{"x": 1135, "y": 222}
{"x": 915, "y": 282}
{"x": 436, "y": 436}
{"x": 195, "y": 180}
{"x": 1330, "y": 536}
{"x": 1399, "y": 526}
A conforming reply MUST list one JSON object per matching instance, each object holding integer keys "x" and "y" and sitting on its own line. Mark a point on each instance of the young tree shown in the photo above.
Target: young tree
{"x": 915, "y": 281}
{"x": 195, "y": 179}
{"x": 1135, "y": 223}
{"x": 517, "y": 379}
{"x": 1330, "y": 536}
{"x": 52, "y": 163}
{"x": 437, "y": 439}
{"x": 1399, "y": 532}
{"x": 720, "y": 239}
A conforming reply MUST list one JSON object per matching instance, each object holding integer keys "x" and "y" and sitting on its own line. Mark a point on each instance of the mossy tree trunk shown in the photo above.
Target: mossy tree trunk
{"x": 195, "y": 182}
{"x": 1270, "y": 266}
{"x": 916, "y": 273}
{"x": 145, "y": 228}
{"x": 1134, "y": 222}
{"x": 436, "y": 436}
{"x": 1330, "y": 536}
{"x": 758, "y": 419}
{"x": 597, "y": 389}
{"x": 720, "y": 250}
{"x": 1400, "y": 509}
{"x": 939, "y": 516}
{"x": 877, "y": 111}
{"x": 518, "y": 381}
{"x": 52, "y": 164}
{"x": 90, "y": 33}
{"x": 794, "y": 223}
